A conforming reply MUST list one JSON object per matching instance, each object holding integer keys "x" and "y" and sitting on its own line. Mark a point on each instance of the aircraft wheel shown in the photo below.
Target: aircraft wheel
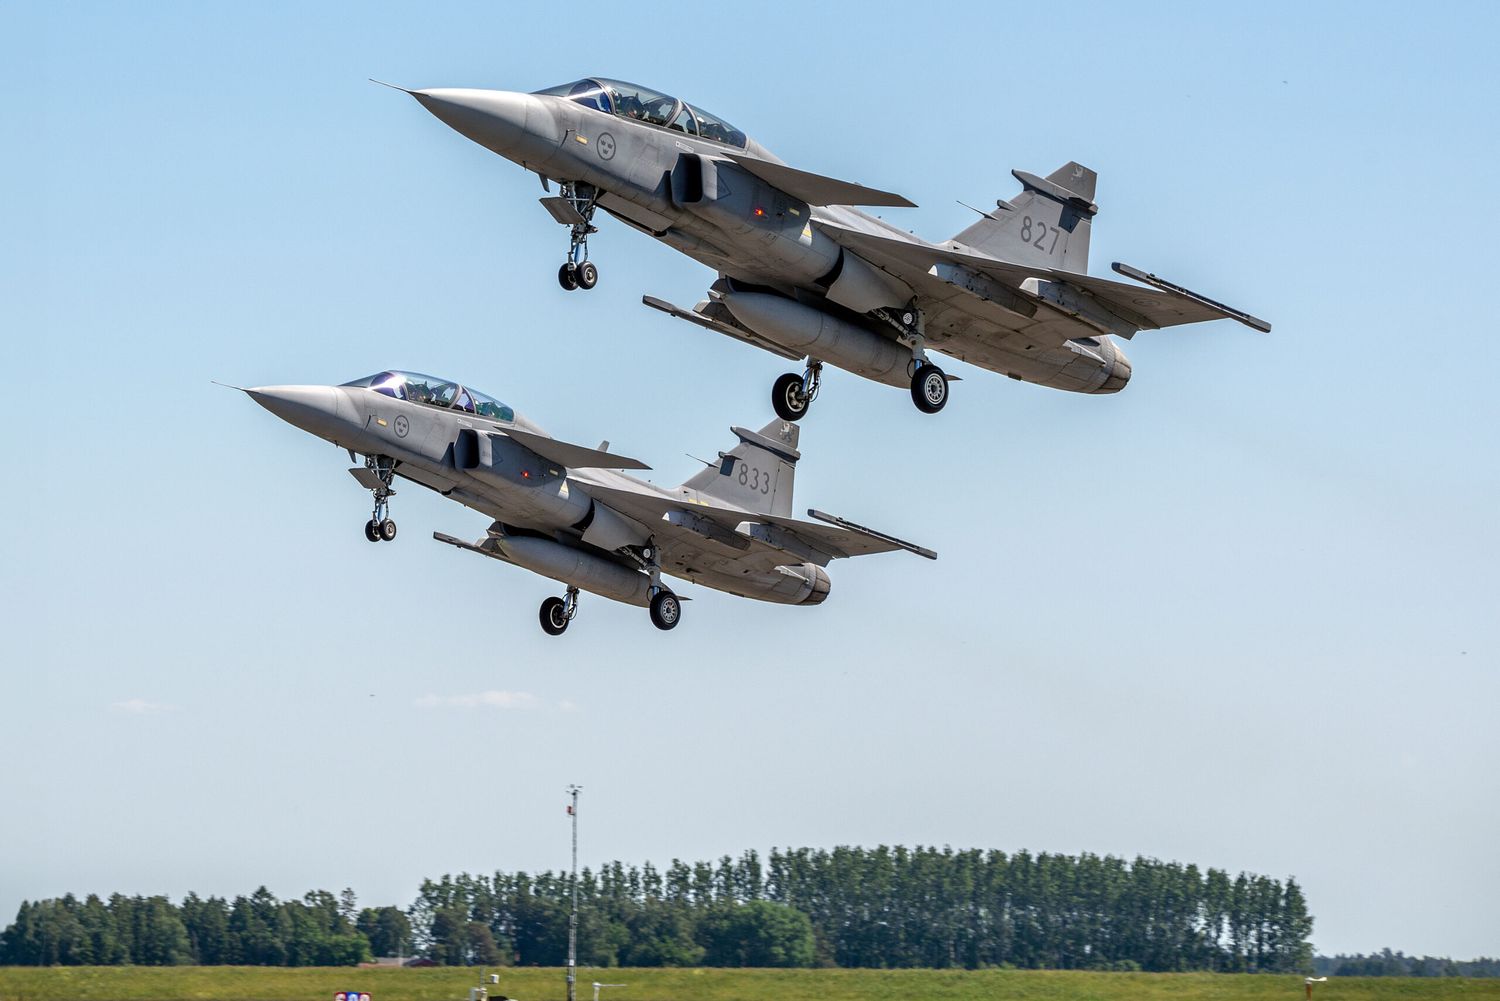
{"x": 666, "y": 610}
{"x": 387, "y": 530}
{"x": 554, "y": 616}
{"x": 787, "y": 398}
{"x": 587, "y": 275}
{"x": 929, "y": 389}
{"x": 567, "y": 277}
{"x": 372, "y": 530}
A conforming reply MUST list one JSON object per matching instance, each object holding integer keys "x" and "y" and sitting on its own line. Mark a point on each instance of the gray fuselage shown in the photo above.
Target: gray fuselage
{"x": 469, "y": 459}
{"x": 749, "y": 230}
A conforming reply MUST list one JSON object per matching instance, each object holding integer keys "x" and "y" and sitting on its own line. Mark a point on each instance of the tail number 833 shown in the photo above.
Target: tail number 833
{"x": 754, "y": 479}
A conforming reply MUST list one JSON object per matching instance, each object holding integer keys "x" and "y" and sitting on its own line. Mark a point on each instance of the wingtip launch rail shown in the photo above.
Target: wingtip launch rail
{"x": 849, "y": 526}
{"x": 1229, "y": 312}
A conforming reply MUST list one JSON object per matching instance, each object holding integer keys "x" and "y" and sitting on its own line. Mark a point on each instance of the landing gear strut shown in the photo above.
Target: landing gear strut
{"x": 666, "y": 607}
{"x": 792, "y": 394}
{"x": 577, "y": 271}
{"x": 556, "y": 613}
{"x": 380, "y": 527}
{"x": 929, "y": 385}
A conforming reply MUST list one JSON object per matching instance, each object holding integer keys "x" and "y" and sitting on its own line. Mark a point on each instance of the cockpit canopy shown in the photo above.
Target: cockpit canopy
{"x": 441, "y": 393}
{"x": 628, "y": 100}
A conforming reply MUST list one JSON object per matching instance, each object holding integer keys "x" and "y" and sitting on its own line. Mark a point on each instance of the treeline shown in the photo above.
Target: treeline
{"x": 885, "y": 907}
{"x": 850, "y": 907}
{"x": 1386, "y": 963}
{"x": 258, "y": 930}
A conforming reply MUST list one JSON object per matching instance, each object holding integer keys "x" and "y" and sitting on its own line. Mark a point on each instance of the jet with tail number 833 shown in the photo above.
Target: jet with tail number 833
{"x": 805, "y": 275}
{"x": 566, "y": 511}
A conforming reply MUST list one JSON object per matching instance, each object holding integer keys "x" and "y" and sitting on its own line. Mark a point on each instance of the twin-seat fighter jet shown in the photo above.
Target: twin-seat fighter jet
{"x": 565, "y": 512}
{"x": 805, "y": 276}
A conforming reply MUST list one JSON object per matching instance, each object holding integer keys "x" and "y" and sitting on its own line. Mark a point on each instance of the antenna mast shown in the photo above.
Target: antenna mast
{"x": 573, "y": 791}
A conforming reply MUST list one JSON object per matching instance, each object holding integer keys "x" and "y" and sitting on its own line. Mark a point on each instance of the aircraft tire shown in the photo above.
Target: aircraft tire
{"x": 666, "y": 610}
{"x": 567, "y": 277}
{"x": 929, "y": 389}
{"x": 787, "y": 399}
{"x": 587, "y": 275}
{"x": 387, "y": 530}
{"x": 372, "y": 531}
{"x": 554, "y": 616}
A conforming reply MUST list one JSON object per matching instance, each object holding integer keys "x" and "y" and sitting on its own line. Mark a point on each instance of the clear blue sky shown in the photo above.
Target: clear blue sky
{"x": 1243, "y": 614}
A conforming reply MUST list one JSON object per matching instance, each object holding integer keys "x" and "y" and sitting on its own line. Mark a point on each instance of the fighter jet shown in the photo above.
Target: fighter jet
{"x": 805, "y": 275}
{"x": 566, "y": 511}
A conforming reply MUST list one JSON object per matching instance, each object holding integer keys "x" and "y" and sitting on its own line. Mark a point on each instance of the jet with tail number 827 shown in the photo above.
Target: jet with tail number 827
{"x": 566, "y": 511}
{"x": 808, "y": 277}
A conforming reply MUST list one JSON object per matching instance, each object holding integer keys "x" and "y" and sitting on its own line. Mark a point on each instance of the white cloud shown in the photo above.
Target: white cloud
{"x": 492, "y": 699}
{"x": 140, "y": 707}
{"x": 568, "y": 706}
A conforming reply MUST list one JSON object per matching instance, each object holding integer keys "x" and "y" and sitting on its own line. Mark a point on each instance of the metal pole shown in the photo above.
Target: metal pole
{"x": 573, "y": 791}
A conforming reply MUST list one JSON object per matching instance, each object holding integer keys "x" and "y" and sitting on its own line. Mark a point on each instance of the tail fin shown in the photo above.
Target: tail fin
{"x": 1047, "y": 224}
{"x": 757, "y": 473}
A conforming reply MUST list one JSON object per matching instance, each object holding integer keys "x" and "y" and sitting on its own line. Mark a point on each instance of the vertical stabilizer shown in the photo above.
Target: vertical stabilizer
{"x": 757, "y": 473}
{"x": 1047, "y": 224}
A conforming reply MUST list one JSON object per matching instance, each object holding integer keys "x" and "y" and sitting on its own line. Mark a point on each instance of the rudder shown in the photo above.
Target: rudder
{"x": 757, "y": 474}
{"x": 1047, "y": 224}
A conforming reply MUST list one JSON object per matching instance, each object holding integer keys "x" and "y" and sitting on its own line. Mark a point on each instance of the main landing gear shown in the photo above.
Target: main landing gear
{"x": 577, "y": 271}
{"x": 929, "y": 384}
{"x": 929, "y": 387}
{"x": 792, "y": 394}
{"x": 665, "y": 607}
{"x": 380, "y": 527}
{"x": 556, "y": 613}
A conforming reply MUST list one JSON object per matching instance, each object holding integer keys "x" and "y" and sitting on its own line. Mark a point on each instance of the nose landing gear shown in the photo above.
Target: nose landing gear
{"x": 576, "y": 210}
{"x": 378, "y": 474}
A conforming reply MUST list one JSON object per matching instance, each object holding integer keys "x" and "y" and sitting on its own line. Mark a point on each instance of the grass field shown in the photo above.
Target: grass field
{"x": 246, "y": 983}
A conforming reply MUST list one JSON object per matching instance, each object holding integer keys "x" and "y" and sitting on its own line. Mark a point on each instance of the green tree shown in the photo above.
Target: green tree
{"x": 661, "y": 934}
{"x": 387, "y": 929}
{"x": 207, "y": 923}
{"x": 450, "y": 937}
{"x": 482, "y": 948}
{"x": 162, "y": 939}
{"x": 108, "y": 950}
{"x": 759, "y": 933}
{"x": 259, "y": 930}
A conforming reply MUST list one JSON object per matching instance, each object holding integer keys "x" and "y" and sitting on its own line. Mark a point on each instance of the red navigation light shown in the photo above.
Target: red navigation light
{"x": 525, "y": 474}
{"x": 759, "y": 211}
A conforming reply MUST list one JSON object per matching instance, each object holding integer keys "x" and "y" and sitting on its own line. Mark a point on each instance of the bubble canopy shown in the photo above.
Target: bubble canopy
{"x": 628, "y": 100}
{"x": 433, "y": 392}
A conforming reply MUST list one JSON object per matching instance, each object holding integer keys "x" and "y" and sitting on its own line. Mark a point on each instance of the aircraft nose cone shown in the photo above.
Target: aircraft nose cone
{"x": 314, "y": 409}
{"x": 516, "y": 126}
